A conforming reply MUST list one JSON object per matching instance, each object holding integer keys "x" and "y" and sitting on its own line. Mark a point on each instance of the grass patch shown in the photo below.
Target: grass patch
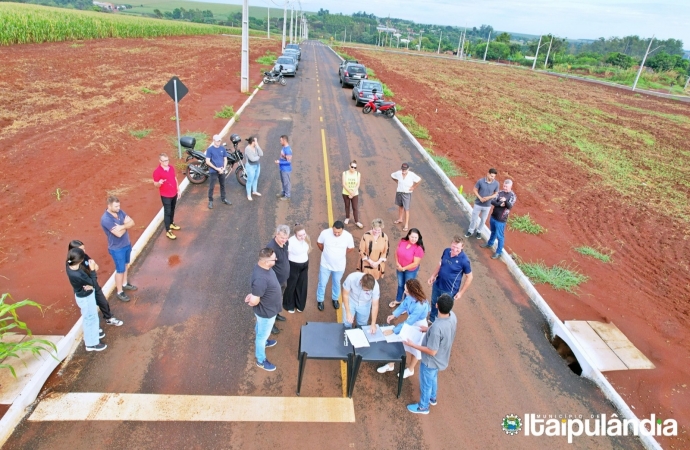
{"x": 549, "y": 128}
{"x": 226, "y": 113}
{"x": 416, "y": 129}
{"x": 59, "y": 193}
{"x": 370, "y": 73}
{"x": 146, "y": 90}
{"x": 386, "y": 91}
{"x": 525, "y": 224}
{"x": 559, "y": 277}
{"x": 140, "y": 134}
{"x": 448, "y": 166}
{"x": 202, "y": 140}
{"x": 267, "y": 59}
{"x": 470, "y": 197}
{"x": 603, "y": 255}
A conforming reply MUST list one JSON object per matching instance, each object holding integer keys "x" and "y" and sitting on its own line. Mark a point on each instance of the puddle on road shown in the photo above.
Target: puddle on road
{"x": 174, "y": 260}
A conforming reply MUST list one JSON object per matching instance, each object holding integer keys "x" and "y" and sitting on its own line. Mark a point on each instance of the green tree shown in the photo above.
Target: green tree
{"x": 503, "y": 37}
{"x": 177, "y": 13}
{"x": 158, "y": 13}
{"x": 619, "y": 60}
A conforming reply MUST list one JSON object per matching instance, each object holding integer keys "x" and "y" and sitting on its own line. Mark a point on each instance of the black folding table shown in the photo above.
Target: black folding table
{"x": 320, "y": 340}
{"x": 379, "y": 352}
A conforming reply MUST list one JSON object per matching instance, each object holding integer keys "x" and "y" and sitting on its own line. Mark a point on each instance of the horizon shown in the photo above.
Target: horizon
{"x": 665, "y": 20}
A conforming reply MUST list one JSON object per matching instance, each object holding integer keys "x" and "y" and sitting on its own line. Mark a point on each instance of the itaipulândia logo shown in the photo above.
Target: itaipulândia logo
{"x": 511, "y": 424}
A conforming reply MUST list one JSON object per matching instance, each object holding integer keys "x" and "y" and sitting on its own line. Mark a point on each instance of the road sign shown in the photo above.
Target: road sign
{"x": 170, "y": 89}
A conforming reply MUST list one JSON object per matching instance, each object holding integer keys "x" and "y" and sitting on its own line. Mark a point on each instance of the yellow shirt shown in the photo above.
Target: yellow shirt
{"x": 351, "y": 180}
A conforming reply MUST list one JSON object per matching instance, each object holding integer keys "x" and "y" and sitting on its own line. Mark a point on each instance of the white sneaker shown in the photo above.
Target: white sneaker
{"x": 114, "y": 321}
{"x": 386, "y": 368}
{"x": 249, "y": 197}
{"x": 408, "y": 373}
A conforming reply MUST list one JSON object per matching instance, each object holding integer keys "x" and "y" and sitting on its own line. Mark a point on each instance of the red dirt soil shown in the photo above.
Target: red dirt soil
{"x": 66, "y": 114}
{"x": 645, "y": 291}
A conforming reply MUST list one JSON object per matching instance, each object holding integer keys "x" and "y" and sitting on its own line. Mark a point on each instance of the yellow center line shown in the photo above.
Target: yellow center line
{"x": 319, "y": 107}
{"x": 320, "y": 119}
{"x": 319, "y": 98}
{"x": 329, "y": 205}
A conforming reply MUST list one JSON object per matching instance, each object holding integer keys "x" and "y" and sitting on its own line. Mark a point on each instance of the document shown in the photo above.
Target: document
{"x": 373, "y": 337}
{"x": 391, "y": 337}
{"x": 357, "y": 338}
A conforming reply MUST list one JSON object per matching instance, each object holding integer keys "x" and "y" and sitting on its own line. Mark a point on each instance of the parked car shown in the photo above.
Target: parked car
{"x": 352, "y": 73}
{"x": 292, "y": 55}
{"x": 288, "y": 63}
{"x": 344, "y": 63}
{"x": 294, "y": 47}
{"x": 363, "y": 90}
{"x": 292, "y": 52}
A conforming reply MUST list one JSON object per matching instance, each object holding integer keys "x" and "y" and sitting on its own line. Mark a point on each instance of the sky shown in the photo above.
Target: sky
{"x": 574, "y": 19}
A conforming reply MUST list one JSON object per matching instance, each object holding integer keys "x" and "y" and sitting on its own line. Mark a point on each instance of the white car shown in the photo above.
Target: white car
{"x": 288, "y": 63}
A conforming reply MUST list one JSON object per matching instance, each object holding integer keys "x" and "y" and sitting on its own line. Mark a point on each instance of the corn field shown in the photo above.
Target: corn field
{"x": 27, "y": 24}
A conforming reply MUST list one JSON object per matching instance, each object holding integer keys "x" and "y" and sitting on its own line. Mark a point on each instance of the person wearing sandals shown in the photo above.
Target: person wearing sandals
{"x": 416, "y": 306}
{"x": 351, "y": 181}
{"x": 253, "y": 153}
{"x": 408, "y": 256}
{"x": 373, "y": 250}
{"x": 299, "y": 246}
{"x": 83, "y": 280}
{"x": 101, "y": 301}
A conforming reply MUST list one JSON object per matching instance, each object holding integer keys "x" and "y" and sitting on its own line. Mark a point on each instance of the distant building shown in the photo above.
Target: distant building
{"x": 686, "y": 54}
{"x": 108, "y": 6}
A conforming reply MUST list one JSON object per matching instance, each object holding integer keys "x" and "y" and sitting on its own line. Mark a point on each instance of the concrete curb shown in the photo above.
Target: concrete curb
{"x": 69, "y": 344}
{"x": 556, "y": 326}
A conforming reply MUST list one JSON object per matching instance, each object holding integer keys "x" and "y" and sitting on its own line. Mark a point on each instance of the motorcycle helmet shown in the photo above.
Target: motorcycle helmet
{"x": 235, "y": 139}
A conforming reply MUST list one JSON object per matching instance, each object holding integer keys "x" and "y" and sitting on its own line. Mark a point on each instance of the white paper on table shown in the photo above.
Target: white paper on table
{"x": 377, "y": 337}
{"x": 357, "y": 338}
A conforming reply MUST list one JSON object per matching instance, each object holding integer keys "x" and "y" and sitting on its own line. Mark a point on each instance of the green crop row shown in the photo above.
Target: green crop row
{"x": 26, "y": 24}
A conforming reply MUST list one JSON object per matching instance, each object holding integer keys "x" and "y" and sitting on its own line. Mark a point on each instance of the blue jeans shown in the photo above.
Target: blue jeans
{"x": 324, "y": 275}
{"x": 402, "y": 279}
{"x": 253, "y": 171}
{"x": 89, "y": 313}
{"x": 263, "y": 331}
{"x": 497, "y": 230}
{"x": 287, "y": 185}
{"x": 361, "y": 311}
{"x": 428, "y": 385}
{"x": 436, "y": 292}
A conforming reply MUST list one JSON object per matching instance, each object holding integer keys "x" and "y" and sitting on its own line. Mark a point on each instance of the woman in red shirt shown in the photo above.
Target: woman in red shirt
{"x": 408, "y": 256}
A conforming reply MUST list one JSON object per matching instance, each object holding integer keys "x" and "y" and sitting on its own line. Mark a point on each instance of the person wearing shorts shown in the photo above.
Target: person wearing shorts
{"x": 407, "y": 182}
{"x": 115, "y": 223}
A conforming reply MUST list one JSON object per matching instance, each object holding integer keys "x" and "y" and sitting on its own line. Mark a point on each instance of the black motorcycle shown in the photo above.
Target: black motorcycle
{"x": 275, "y": 77}
{"x": 198, "y": 170}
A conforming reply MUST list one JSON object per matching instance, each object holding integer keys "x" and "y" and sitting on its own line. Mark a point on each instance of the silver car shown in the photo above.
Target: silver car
{"x": 295, "y": 47}
{"x": 293, "y": 53}
{"x": 288, "y": 63}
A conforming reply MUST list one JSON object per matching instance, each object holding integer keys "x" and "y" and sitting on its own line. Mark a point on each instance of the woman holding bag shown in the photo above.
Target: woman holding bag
{"x": 417, "y": 308}
{"x": 253, "y": 153}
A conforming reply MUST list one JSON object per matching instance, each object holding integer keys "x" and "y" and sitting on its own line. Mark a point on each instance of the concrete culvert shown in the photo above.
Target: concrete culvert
{"x": 564, "y": 350}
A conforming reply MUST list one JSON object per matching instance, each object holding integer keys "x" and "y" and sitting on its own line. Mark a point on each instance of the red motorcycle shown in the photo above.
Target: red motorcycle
{"x": 379, "y": 106}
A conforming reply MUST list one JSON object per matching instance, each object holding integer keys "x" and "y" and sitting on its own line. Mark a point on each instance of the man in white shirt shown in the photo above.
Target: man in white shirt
{"x": 335, "y": 243}
{"x": 407, "y": 182}
{"x": 360, "y": 300}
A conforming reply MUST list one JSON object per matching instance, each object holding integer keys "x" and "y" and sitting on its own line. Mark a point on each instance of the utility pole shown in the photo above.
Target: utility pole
{"x": 284, "y": 23}
{"x": 686, "y": 84}
{"x": 244, "y": 85}
{"x": 440, "y": 36}
{"x": 268, "y": 22}
{"x": 642, "y": 65}
{"x": 548, "y": 52}
{"x": 292, "y": 11}
{"x": 537, "y": 54}
{"x": 462, "y": 46}
{"x": 419, "y": 46}
{"x": 487, "y": 45}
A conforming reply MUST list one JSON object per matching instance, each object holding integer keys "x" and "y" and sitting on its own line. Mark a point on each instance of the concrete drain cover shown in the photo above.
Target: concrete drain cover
{"x": 607, "y": 346}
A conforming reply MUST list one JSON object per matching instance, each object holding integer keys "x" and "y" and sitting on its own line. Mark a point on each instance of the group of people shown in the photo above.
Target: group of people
{"x": 279, "y": 281}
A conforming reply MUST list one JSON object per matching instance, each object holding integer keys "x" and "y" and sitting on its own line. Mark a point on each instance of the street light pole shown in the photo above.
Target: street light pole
{"x": 292, "y": 10}
{"x": 537, "y": 54}
{"x": 244, "y": 87}
{"x": 642, "y": 65}
{"x": 487, "y": 45}
{"x": 548, "y": 52}
{"x": 268, "y": 22}
{"x": 440, "y": 36}
{"x": 284, "y": 24}
{"x": 462, "y": 45}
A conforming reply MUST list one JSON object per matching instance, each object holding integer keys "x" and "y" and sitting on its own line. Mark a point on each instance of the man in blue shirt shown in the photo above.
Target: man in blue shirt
{"x": 115, "y": 223}
{"x": 448, "y": 275}
{"x": 217, "y": 160}
{"x": 285, "y": 165}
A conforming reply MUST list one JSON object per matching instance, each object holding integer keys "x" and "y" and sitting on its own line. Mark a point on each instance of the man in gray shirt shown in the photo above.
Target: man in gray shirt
{"x": 435, "y": 350}
{"x": 486, "y": 189}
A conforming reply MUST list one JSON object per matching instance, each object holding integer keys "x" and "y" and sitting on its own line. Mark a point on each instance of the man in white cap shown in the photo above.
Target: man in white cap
{"x": 217, "y": 160}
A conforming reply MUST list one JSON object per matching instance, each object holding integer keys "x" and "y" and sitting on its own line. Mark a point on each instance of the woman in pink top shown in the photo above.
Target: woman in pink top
{"x": 408, "y": 256}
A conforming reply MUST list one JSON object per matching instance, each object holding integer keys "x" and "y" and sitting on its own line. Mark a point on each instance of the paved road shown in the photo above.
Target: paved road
{"x": 188, "y": 332}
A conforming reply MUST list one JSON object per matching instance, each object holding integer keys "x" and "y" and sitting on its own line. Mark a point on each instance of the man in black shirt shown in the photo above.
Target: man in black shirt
{"x": 266, "y": 300}
{"x": 503, "y": 203}
{"x": 279, "y": 245}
